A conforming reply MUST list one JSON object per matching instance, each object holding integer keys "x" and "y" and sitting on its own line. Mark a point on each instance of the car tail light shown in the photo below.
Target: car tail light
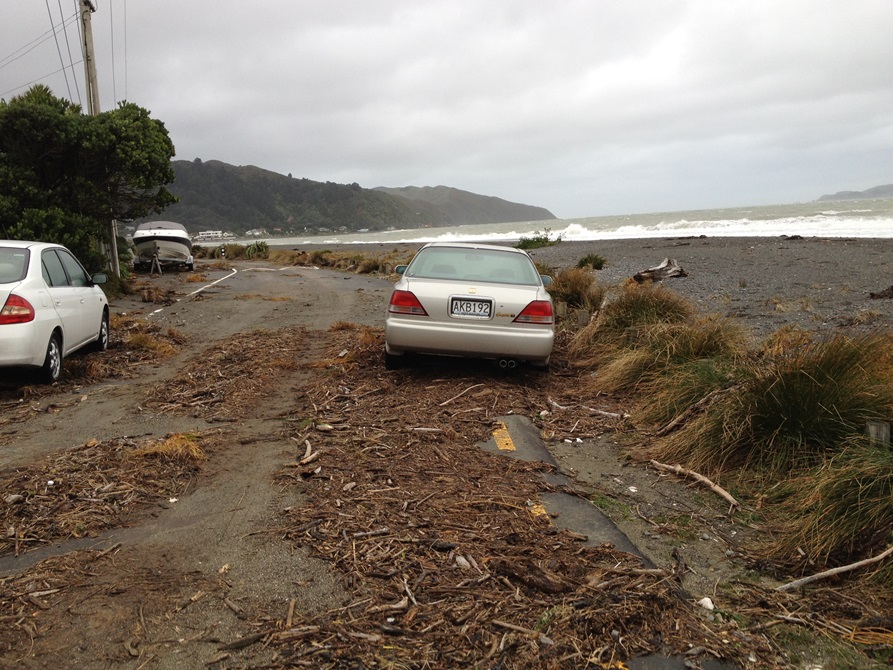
{"x": 405, "y": 302}
{"x": 16, "y": 310}
{"x": 539, "y": 312}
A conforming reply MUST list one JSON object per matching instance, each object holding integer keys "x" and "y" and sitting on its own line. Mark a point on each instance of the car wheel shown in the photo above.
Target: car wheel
{"x": 102, "y": 340}
{"x": 52, "y": 364}
{"x": 392, "y": 361}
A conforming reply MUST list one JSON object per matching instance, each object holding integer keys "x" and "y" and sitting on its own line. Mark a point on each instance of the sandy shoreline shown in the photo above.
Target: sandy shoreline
{"x": 766, "y": 282}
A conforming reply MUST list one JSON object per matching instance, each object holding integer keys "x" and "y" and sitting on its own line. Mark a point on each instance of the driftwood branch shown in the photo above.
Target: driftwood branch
{"x": 691, "y": 410}
{"x": 790, "y": 586}
{"x": 716, "y": 488}
{"x": 669, "y": 267}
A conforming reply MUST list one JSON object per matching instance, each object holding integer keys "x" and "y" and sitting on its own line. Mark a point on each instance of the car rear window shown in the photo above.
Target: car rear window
{"x": 13, "y": 264}
{"x": 502, "y": 267}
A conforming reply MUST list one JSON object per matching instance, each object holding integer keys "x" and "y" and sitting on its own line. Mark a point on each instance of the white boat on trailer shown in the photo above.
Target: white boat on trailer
{"x": 163, "y": 242}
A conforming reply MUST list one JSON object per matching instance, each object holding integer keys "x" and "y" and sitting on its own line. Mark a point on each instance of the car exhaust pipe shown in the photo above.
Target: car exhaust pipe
{"x": 508, "y": 363}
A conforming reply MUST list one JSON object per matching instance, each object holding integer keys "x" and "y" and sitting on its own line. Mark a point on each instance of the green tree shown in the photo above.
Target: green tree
{"x": 65, "y": 175}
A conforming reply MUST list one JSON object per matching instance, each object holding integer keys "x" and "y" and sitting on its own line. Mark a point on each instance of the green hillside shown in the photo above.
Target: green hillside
{"x": 218, "y": 196}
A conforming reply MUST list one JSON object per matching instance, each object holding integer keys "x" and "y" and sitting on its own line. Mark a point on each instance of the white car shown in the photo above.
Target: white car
{"x": 475, "y": 300}
{"x": 50, "y": 307}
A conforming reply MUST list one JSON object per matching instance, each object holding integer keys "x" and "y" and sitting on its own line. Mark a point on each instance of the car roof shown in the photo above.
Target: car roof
{"x": 26, "y": 244}
{"x": 474, "y": 245}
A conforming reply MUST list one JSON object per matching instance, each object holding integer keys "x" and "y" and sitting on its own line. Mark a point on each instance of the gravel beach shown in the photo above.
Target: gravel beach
{"x": 766, "y": 282}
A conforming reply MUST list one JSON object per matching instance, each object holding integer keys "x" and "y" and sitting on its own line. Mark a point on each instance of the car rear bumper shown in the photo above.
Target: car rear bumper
{"x": 18, "y": 346}
{"x": 528, "y": 343}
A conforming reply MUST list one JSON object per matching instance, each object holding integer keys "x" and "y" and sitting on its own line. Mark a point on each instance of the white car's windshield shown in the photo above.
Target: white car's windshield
{"x": 503, "y": 267}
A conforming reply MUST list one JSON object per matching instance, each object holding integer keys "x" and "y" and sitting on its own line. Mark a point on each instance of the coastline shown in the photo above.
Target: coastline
{"x": 818, "y": 283}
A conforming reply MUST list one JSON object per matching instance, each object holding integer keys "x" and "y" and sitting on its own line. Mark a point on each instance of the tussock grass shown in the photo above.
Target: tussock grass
{"x": 593, "y": 261}
{"x": 840, "y": 511}
{"x": 578, "y": 288}
{"x": 622, "y": 319}
{"x": 794, "y": 409}
{"x": 666, "y": 397}
{"x": 178, "y": 447}
{"x": 652, "y": 353}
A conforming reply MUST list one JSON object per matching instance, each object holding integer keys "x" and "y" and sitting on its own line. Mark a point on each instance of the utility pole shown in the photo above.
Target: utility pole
{"x": 87, "y": 8}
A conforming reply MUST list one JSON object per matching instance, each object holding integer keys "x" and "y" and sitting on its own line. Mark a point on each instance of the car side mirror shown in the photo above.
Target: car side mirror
{"x": 400, "y": 269}
{"x": 546, "y": 279}
{"x": 99, "y": 278}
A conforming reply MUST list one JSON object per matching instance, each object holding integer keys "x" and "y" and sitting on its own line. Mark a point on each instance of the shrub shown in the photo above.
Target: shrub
{"x": 258, "y": 249}
{"x": 593, "y": 261}
{"x": 619, "y": 320}
{"x": 654, "y": 353}
{"x": 793, "y": 410}
{"x": 578, "y": 288}
{"x": 538, "y": 240}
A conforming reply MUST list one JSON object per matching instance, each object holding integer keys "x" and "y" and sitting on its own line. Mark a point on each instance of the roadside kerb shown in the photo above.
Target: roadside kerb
{"x": 516, "y": 437}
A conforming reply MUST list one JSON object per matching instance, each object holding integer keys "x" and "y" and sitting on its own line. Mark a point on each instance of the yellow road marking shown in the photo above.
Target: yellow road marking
{"x": 537, "y": 509}
{"x": 504, "y": 441}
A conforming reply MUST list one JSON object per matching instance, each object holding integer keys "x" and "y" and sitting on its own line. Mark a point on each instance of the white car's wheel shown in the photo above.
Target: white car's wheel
{"x": 102, "y": 340}
{"x": 52, "y": 363}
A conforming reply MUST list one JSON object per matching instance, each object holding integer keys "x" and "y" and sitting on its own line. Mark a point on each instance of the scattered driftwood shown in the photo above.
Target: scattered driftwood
{"x": 668, "y": 268}
{"x": 797, "y": 583}
{"x": 716, "y": 488}
{"x": 886, "y": 293}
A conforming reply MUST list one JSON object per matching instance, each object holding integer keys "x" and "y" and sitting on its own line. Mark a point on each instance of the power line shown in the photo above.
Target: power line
{"x": 70, "y": 59}
{"x": 58, "y": 49}
{"x": 27, "y": 48}
{"x": 33, "y": 44}
{"x": 3, "y": 94}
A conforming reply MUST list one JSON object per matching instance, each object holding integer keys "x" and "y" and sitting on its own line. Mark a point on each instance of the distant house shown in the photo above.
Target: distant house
{"x": 256, "y": 232}
{"x": 207, "y": 235}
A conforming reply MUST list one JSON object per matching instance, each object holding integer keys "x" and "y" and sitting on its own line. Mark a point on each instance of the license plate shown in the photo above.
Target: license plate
{"x": 471, "y": 308}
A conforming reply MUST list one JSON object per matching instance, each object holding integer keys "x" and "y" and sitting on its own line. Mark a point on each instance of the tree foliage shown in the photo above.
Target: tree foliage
{"x": 65, "y": 175}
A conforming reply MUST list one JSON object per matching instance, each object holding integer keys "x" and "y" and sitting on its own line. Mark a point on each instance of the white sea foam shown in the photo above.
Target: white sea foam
{"x": 804, "y": 219}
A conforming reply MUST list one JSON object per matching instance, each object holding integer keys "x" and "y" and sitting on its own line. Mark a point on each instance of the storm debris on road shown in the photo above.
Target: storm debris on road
{"x": 437, "y": 542}
{"x": 227, "y": 379}
{"x": 83, "y": 491}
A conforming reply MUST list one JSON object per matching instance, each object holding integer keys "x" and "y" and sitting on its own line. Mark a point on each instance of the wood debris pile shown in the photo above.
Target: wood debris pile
{"x": 228, "y": 378}
{"x": 440, "y": 544}
{"x": 83, "y": 491}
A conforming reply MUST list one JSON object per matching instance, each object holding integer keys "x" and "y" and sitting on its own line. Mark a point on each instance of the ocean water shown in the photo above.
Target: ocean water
{"x": 849, "y": 218}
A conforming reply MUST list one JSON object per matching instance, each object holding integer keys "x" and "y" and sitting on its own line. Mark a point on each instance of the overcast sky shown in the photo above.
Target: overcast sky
{"x": 584, "y": 107}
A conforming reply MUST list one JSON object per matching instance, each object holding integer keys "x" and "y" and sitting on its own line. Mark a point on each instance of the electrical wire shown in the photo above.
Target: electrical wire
{"x": 27, "y": 48}
{"x": 59, "y": 49}
{"x": 70, "y": 59}
{"x": 112, "y": 34}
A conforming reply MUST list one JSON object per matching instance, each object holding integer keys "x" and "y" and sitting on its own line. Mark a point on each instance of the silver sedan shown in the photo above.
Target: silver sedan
{"x": 474, "y": 300}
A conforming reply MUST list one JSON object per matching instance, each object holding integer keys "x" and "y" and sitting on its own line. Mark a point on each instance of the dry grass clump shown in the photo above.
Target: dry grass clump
{"x": 592, "y": 261}
{"x": 177, "y": 447}
{"x": 578, "y": 288}
{"x": 196, "y": 278}
{"x": 658, "y": 350}
{"x": 620, "y": 320}
{"x": 791, "y": 411}
{"x": 150, "y": 343}
{"x": 839, "y": 511}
